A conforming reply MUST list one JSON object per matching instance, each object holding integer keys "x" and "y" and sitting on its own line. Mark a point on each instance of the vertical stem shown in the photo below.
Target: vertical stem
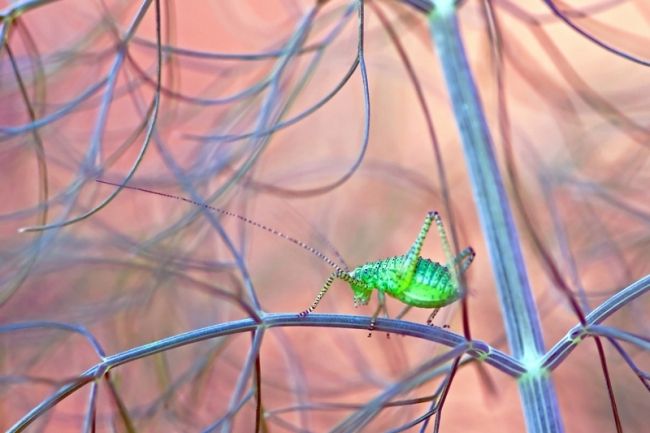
{"x": 518, "y": 308}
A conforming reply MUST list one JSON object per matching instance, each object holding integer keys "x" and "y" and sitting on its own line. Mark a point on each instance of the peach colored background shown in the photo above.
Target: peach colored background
{"x": 91, "y": 273}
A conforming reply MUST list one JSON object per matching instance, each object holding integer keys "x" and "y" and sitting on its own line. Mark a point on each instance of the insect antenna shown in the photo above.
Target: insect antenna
{"x": 273, "y": 231}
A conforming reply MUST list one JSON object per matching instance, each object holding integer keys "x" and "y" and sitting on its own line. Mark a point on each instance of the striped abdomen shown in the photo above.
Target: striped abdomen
{"x": 431, "y": 286}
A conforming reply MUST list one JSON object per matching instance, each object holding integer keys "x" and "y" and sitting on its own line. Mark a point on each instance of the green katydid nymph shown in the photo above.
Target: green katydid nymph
{"x": 412, "y": 279}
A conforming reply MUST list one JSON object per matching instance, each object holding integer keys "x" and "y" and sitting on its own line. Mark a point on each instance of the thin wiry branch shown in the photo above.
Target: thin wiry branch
{"x": 562, "y": 348}
{"x": 476, "y": 349}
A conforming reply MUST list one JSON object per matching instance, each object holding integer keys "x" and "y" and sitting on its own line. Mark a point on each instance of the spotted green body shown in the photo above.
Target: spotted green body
{"x": 430, "y": 286}
{"x": 410, "y": 278}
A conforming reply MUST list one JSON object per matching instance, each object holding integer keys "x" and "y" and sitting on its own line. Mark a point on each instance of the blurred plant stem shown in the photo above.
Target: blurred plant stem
{"x": 517, "y": 304}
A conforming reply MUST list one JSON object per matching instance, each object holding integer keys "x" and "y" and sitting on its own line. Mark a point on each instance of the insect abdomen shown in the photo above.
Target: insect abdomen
{"x": 431, "y": 286}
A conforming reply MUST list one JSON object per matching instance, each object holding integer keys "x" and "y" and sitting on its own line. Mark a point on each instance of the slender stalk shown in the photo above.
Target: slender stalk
{"x": 479, "y": 350}
{"x": 475, "y": 349}
{"x": 520, "y": 315}
{"x": 563, "y": 347}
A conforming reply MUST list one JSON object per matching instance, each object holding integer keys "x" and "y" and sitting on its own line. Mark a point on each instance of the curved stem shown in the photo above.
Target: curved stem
{"x": 476, "y": 349}
{"x": 562, "y": 348}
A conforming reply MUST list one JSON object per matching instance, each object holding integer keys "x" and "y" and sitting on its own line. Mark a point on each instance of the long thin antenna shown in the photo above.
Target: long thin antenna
{"x": 293, "y": 240}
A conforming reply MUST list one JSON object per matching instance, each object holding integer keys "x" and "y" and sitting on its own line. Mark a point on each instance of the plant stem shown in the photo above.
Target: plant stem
{"x": 480, "y": 350}
{"x": 517, "y": 304}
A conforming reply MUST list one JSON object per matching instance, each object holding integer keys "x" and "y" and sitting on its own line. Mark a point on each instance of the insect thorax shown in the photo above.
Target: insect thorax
{"x": 430, "y": 286}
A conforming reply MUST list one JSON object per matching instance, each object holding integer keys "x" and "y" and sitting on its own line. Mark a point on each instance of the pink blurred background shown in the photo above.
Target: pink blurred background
{"x": 133, "y": 274}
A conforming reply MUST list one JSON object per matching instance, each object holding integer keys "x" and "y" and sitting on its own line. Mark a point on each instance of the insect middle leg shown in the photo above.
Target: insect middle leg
{"x": 405, "y": 310}
{"x": 381, "y": 298}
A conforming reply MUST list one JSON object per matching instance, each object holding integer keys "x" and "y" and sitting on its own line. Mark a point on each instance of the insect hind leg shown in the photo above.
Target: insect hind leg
{"x": 446, "y": 246}
{"x": 411, "y": 260}
{"x": 464, "y": 259}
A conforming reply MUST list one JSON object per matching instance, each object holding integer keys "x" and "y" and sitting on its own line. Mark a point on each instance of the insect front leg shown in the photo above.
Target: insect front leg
{"x": 361, "y": 290}
{"x": 334, "y": 275}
